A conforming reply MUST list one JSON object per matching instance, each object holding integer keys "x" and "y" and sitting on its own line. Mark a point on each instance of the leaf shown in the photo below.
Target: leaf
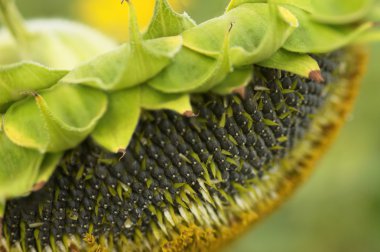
{"x": 18, "y": 168}
{"x": 55, "y": 120}
{"x": 117, "y": 126}
{"x": 282, "y": 23}
{"x": 48, "y": 166}
{"x": 297, "y": 63}
{"x": 189, "y": 71}
{"x": 236, "y": 79}
{"x": 155, "y": 100}
{"x": 325, "y": 11}
{"x": 370, "y": 36}
{"x": 313, "y": 37}
{"x": 56, "y": 43}
{"x": 166, "y": 22}
{"x": 16, "y": 79}
{"x": 221, "y": 69}
{"x": 341, "y": 11}
{"x": 235, "y": 3}
{"x": 126, "y": 66}
{"x": 250, "y": 41}
{"x": 129, "y": 65}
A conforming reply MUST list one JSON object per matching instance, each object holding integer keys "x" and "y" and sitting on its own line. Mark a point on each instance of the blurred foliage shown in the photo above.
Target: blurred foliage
{"x": 338, "y": 209}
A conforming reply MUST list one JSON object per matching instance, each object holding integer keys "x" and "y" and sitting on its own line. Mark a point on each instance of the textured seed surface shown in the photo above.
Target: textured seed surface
{"x": 172, "y": 167}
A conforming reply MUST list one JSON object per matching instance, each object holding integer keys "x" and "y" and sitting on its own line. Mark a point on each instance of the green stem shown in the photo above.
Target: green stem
{"x": 14, "y": 21}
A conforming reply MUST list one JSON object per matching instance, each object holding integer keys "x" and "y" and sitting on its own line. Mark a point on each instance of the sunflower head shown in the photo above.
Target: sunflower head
{"x": 182, "y": 135}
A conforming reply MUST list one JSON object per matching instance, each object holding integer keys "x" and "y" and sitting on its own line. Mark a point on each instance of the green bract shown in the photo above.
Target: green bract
{"x": 63, "y": 82}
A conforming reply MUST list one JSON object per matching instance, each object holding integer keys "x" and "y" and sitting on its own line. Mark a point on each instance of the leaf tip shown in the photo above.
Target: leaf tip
{"x": 241, "y": 92}
{"x": 316, "y": 76}
{"x": 38, "y": 186}
{"x": 189, "y": 113}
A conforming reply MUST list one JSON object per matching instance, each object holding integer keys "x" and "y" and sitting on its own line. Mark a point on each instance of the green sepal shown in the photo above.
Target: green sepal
{"x": 126, "y": 66}
{"x": 340, "y": 11}
{"x": 314, "y": 37}
{"x": 369, "y": 37}
{"x": 55, "y": 120}
{"x": 16, "y": 79}
{"x": 152, "y": 99}
{"x": 222, "y": 68}
{"x": 166, "y": 22}
{"x": 297, "y": 63}
{"x": 114, "y": 131}
{"x": 236, "y": 79}
{"x": 19, "y": 168}
{"x": 55, "y": 43}
{"x": 129, "y": 65}
{"x": 324, "y": 11}
{"x": 50, "y": 162}
{"x": 282, "y": 23}
{"x": 235, "y": 3}
{"x": 189, "y": 71}
{"x": 246, "y": 36}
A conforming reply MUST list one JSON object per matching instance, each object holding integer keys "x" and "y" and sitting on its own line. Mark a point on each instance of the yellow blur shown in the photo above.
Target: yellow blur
{"x": 111, "y": 16}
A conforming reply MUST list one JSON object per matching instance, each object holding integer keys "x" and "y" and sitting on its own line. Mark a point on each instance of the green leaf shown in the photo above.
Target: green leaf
{"x": 297, "y": 63}
{"x": 341, "y": 11}
{"x": 189, "y": 71}
{"x": 154, "y": 100}
{"x": 325, "y": 11}
{"x": 126, "y": 66}
{"x": 55, "y": 43}
{"x": 55, "y": 120}
{"x": 282, "y": 23}
{"x": 314, "y": 37}
{"x": 370, "y": 36}
{"x": 117, "y": 126}
{"x": 166, "y": 22}
{"x": 236, "y": 79}
{"x": 19, "y": 168}
{"x": 16, "y": 79}
{"x": 50, "y": 162}
{"x": 250, "y": 41}
{"x": 235, "y": 3}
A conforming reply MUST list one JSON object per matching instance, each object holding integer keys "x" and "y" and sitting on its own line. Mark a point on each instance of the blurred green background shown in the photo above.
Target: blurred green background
{"x": 338, "y": 209}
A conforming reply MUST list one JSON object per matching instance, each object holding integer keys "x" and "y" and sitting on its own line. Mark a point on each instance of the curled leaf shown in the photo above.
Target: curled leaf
{"x": 55, "y": 43}
{"x": 55, "y": 120}
{"x": 297, "y": 63}
{"x": 281, "y": 25}
{"x": 166, "y": 22}
{"x": 19, "y": 168}
{"x": 314, "y": 37}
{"x": 324, "y": 11}
{"x": 129, "y": 65}
{"x": 189, "y": 71}
{"x": 126, "y": 66}
{"x": 17, "y": 79}
{"x": 117, "y": 126}
{"x": 154, "y": 100}
{"x": 250, "y": 41}
{"x": 340, "y": 11}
